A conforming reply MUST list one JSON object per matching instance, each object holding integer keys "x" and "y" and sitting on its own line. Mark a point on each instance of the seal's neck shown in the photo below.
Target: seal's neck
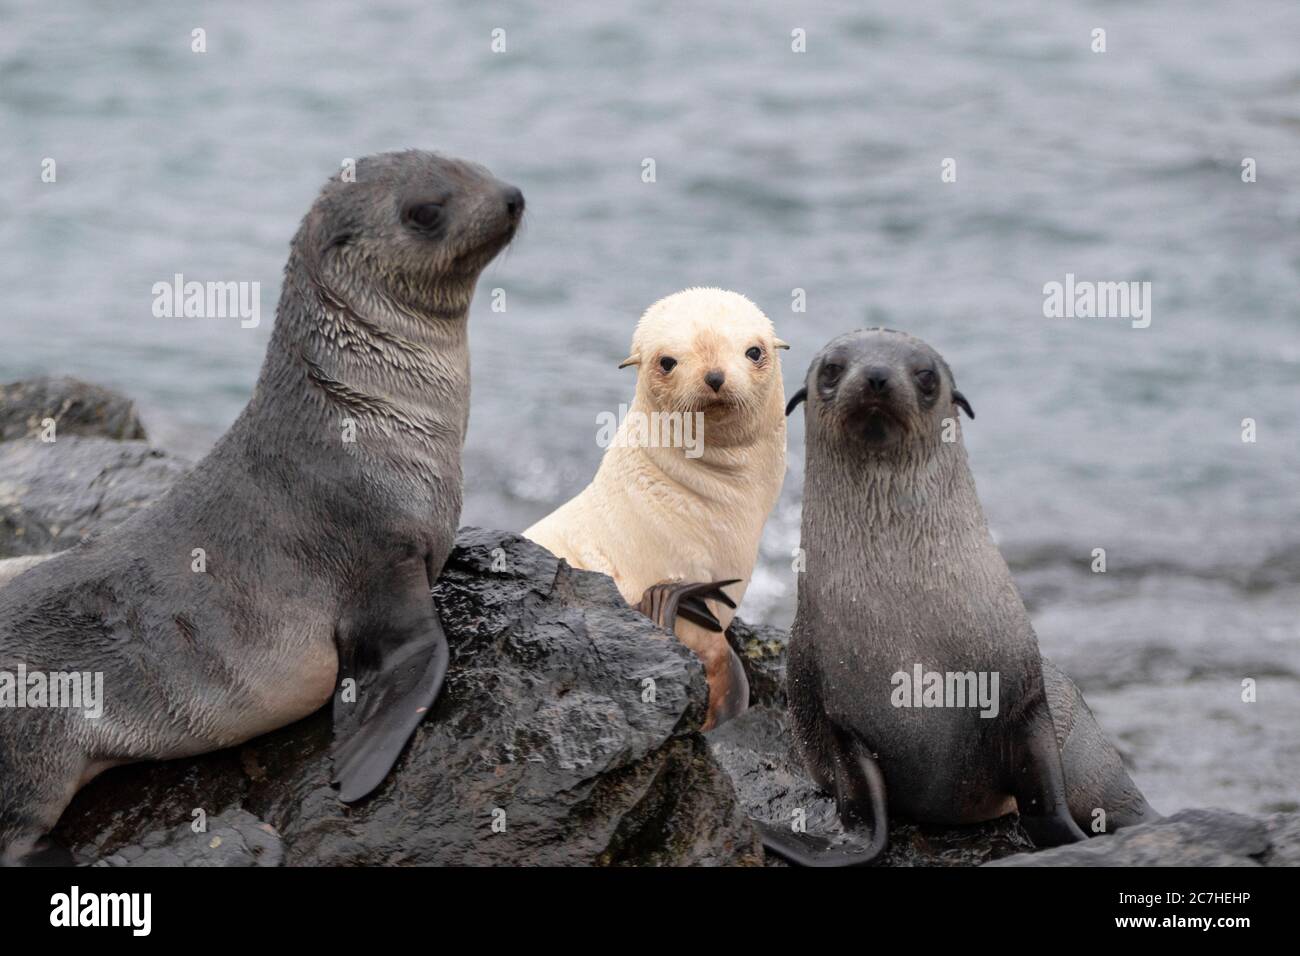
{"x": 910, "y": 501}
{"x": 726, "y": 456}
{"x": 350, "y": 367}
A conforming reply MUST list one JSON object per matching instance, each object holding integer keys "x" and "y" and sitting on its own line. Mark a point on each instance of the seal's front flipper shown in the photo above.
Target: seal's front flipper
{"x": 734, "y": 699}
{"x": 392, "y": 660}
{"x": 665, "y": 602}
{"x": 1039, "y": 782}
{"x": 859, "y": 797}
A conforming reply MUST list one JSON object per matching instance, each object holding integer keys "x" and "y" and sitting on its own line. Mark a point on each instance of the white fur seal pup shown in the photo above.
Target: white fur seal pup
{"x": 903, "y": 578}
{"x": 671, "y": 511}
{"x": 300, "y": 553}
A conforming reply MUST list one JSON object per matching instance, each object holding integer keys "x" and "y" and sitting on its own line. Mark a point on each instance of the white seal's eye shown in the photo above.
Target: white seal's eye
{"x": 667, "y": 363}
{"x": 927, "y": 380}
{"x": 831, "y": 373}
{"x": 754, "y": 353}
{"x": 426, "y": 215}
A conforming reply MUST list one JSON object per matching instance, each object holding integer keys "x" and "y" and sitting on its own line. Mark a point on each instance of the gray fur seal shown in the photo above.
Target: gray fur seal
{"x": 298, "y": 556}
{"x": 915, "y": 678}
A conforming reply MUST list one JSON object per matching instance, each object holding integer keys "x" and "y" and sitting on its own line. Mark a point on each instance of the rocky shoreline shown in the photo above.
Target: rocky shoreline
{"x": 564, "y": 734}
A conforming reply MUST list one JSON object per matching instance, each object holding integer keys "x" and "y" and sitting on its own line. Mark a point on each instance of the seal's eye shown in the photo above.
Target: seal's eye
{"x": 830, "y": 374}
{"x": 426, "y": 215}
{"x": 667, "y": 363}
{"x": 754, "y": 354}
{"x": 926, "y": 380}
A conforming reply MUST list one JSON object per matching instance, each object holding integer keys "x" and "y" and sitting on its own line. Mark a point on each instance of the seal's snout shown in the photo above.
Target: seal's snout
{"x": 514, "y": 202}
{"x": 870, "y": 388}
{"x": 714, "y": 379}
{"x": 876, "y": 380}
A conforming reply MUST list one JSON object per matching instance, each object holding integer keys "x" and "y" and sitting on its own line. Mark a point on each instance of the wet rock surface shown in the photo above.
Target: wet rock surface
{"x": 77, "y": 409}
{"x": 54, "y": 495}
{"x": 545, "y": 746}
{"x": 1186, "y": 838}
{"x": 96, "y": 473}
{"x": 235, "y": 838}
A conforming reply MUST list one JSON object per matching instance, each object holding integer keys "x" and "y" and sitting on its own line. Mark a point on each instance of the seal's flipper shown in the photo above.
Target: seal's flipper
{"x": 663, "y": 603}
{"x": 393, "y": 661}
{"x": 736, "y": 699}
{"x": 859, "y": 795}
{"x": 1039, "y": 781}
{"x": 804, "y": 849}
{"x": 1095, "y": 776}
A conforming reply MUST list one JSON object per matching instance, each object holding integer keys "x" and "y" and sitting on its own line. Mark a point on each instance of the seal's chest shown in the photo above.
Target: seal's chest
{"x": 291, "y": 675}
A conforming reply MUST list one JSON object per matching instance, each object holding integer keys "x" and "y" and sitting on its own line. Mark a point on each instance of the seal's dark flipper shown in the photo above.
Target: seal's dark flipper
{"x": 664, "y": 603}
{"x": 1039, "y": 782}
{"x": 1095, "y": 776}
{"x": 804, "y": 849}
{"x": 392, "y": 661}
{"x": 859, "y": 796}
{"x": 48, "y": 852}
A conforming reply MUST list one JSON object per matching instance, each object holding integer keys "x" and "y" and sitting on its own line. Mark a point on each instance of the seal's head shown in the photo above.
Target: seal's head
{"x": 411, "y": 230}
{"x": 706, "y": 350}
{"x": 878, "y": 389}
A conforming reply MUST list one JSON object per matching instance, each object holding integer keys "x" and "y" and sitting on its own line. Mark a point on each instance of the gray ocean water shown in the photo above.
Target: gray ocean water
{"x": 776, "y": 171}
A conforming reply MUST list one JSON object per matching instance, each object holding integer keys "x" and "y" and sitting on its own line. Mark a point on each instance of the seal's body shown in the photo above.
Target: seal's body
{"x": 678, "y": 511}
{"x": 10, "y": 568}
{"x": 903, "y": 580}
{"x": 300, "y": 553}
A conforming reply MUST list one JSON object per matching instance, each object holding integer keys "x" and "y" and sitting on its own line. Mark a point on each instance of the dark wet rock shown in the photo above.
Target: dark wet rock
{"x": 77, "y": 408}
{"x": 53, "y": 495}
{"x": 545, "y": 726}
{"x": 1187, "y": 838}
{"x": 235, "y": 838}
{"x": 756, "y": 751}
{"x": 762, "y": 653}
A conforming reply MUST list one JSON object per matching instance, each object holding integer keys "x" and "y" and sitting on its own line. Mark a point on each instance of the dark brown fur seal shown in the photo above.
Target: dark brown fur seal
{"x": 902, "y": 573}
{"x": 319, "y": 552}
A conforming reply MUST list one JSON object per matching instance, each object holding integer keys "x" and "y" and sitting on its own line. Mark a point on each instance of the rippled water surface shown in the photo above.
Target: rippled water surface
{"x": 775, "y": 171}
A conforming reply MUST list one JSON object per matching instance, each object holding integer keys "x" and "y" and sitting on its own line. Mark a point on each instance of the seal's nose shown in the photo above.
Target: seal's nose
{"x": 877, "y": 379}
{"x": 514, "y": 203}
{"x": 714, "y": 379}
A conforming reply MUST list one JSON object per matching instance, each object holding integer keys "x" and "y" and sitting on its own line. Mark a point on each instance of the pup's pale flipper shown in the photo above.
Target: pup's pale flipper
{"x": 665, "y": 602}
{"x": 392, "y": 660}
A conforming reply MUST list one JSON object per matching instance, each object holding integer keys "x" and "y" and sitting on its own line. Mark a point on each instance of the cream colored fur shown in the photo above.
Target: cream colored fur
{"x": 653, "y": 514}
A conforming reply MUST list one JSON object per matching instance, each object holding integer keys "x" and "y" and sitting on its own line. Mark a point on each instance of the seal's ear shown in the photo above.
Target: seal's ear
{"x": 960, "y": 400}
{"x": 633, "y": 359}
{"x": 795, "y": 400}
{"x": 778, "y": 344}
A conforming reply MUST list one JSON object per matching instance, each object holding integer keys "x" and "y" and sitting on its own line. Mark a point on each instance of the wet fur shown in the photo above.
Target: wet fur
{"x": 902, "y": 570}
{"x": 302, "y": 532}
